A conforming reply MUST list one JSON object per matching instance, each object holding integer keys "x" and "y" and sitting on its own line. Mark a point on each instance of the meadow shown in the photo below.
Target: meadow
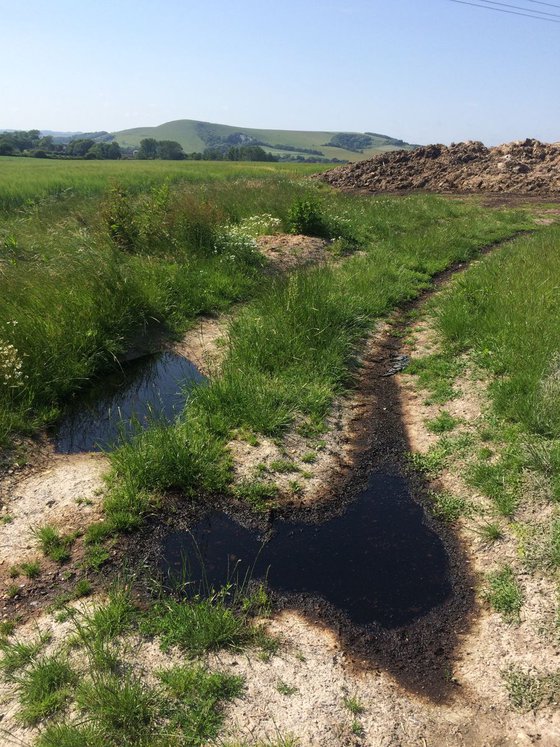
{"x": 86, "y": 270}
{"x": 27, "y": 181}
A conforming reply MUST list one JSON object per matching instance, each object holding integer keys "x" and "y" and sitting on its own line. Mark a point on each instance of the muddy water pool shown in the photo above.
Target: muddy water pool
{"x": 377, "y": 562}
{"x": 148, "y": 388}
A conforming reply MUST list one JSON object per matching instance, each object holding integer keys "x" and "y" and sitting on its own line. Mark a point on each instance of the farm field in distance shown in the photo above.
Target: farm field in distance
{"x": 347, "y": 341}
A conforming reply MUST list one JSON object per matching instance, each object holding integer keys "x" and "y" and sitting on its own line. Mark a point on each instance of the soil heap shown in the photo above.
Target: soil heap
{"x": 521, "y": 167}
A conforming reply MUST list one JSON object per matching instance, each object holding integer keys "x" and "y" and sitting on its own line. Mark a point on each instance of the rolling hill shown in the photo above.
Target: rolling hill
{"x": 195, "y": 136}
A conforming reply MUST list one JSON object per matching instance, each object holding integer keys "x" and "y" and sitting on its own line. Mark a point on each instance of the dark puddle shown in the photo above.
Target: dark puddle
{"x": 377, "y": 562}
{"x": 368, "y": 562}
{"x": 153, "y": 387}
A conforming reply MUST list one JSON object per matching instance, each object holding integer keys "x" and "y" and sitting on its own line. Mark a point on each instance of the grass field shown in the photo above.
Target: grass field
{"x": 86, "y": 270}
{"x": 26, "y": 181}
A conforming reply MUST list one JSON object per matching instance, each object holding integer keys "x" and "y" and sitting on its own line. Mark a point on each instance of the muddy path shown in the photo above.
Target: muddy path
{"x": 425, "y": 603}
{"x": 363, "y": 560}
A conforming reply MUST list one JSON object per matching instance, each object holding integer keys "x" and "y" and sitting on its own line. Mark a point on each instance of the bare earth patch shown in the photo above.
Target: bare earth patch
{"x": 65, "y": 493}
{"x": 286, "y": 252}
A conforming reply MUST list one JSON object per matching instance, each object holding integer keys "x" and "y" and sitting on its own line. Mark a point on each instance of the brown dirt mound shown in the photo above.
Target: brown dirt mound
{"x": 522, "y": 167}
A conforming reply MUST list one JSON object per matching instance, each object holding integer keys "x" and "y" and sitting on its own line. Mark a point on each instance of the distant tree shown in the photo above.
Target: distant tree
{"x": 19, "y": 141}
{"x": 148, "y": 148}
{"x": 79, "y": 147}
{"x": 46, "y": 143}
{"x": 104, "y": 151}
{"x": 114, "y": 151}
{"x": 170, "y": 150}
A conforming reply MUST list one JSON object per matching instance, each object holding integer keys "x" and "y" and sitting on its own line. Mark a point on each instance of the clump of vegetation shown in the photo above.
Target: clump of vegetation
{"x": 18, "y": 654}
{"x": 44, "y": 689}
{"x": 354, "y": 705}
{"x": 32, "y": 569}
{"x": 307, "y": 218}
{"x": 437, "y": 373}
{"x": 490, "y": 532}
{"x": 442, "y": 423}
{"x": 448, "y": 506}
{"x": 200, "y": 625}
{"x": 55, "y": 545}
{"x": 505, "y": 594}
{"x": 529, "y": 691}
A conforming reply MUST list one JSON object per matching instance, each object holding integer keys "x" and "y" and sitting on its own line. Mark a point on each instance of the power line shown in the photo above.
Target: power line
{"x": 538, "y": 2}
{"x": 519, "y": 7}
{"x": 501, "y": 10}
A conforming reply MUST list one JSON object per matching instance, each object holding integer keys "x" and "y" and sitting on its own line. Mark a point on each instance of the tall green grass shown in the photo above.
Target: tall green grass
{"x": 505, "y": 310}
{"x": 26, "y": 181}
{"x": 80, "y": 284}
{"x": 292, "y": 349}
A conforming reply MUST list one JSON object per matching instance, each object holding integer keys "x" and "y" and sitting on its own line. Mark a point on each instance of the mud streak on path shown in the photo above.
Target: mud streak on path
{"x": 418, "y": 650}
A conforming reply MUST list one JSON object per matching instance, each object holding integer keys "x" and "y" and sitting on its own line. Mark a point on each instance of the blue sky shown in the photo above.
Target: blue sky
{"x": 432, "y": 71}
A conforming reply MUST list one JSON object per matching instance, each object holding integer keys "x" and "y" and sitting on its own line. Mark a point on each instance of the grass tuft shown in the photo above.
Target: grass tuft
{"x": 53, "y": 544}
{"x": 44, "y": 689}
{"x": 504, "y": 593}
{"x": 199, "y": 625}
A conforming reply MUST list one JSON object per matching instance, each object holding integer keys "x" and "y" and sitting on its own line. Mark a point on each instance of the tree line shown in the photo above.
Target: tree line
{"x": 102, "y": 146}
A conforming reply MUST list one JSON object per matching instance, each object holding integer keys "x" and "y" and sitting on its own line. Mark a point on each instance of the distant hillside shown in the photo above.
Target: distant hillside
{"x": 196, "y": 136}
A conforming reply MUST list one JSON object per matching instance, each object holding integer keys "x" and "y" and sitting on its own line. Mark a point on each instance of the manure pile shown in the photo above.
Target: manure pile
{"x": 522, "y": 167}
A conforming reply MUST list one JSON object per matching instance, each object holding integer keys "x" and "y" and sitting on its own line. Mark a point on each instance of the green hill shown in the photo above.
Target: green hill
{"x": 195, "y": 136}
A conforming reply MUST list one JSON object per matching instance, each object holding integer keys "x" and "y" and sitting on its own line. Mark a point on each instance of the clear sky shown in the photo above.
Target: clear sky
{"x": 421, "y": 70}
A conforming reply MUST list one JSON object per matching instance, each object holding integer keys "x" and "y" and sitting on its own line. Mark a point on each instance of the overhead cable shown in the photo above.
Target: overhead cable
{"x": 520, "y": 7}
{"x": 511, "y": 12}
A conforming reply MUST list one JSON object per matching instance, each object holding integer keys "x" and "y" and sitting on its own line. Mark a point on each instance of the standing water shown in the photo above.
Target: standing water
{"x": 148, "y": 388}
{"x": 378, "y": 562}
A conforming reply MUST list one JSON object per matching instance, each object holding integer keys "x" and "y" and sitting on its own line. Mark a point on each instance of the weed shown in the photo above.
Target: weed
{"x": 285, "y": 689}
{"x": 44, "y": 689}
{"x": 283, "y": 466}
{"x": 447, "y": 506}
{"x": 295, "y": 487}
{"x": 14, "y": 571}
{"x": 306, "y": 217}
{"x": 357, "y": 729}
{"x": 125, "y": 711}
{"x": 111, "y": 619}
{"x": 431, "y": 462}
{"x": 31, "y": 569}
{"x": 443, "y": 423}
{"x": 259, "y": 493}
{"x": 6, "y": 519}
{"x": 53, "y": 544}
{"x": 7, "y": 627}
{"x": 505, "y": 594}
{"x": 18, "y": 654}
{"x": 12, "y": 591}
{"x": 199, "y": 695}
{"x": 352, "y": 703}
{"x": 82, "y": 589}
{"x": 437, "y": 373}
{"x": 199, "y": 625}
{"x": 95, "y": 556}
{"x": 498, "y": 481}
{"x": 69, "y": 735}
{"x": 490, "y": 532}
{"x": 528, "y": 691}
{"x": 98, "y": 532}
{"x": 309, "y": 458}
